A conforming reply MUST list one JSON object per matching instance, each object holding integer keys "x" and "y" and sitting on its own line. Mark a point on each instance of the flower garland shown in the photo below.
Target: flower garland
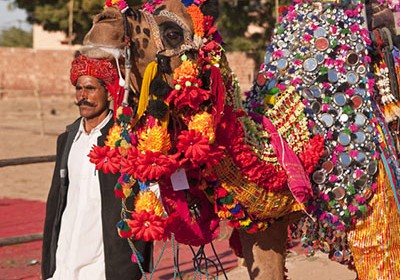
{"x": 197, "y": 19}
{"x": 150, "y": 5}
{"x": 147, "y": 154}
{"x": 193, "y": 134}
{"x": 121, "y": 4}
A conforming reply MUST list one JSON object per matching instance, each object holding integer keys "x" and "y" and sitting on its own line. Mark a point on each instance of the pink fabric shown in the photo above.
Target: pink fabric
{"x": 298, "y": 180}
{"x": 218, "y": 92}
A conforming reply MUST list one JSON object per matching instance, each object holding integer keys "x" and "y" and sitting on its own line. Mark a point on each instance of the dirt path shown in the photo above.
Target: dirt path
{"x": 26, "y": 132}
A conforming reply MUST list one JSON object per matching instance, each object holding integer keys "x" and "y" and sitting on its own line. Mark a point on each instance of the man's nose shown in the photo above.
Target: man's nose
{"x": 83, "y": 94}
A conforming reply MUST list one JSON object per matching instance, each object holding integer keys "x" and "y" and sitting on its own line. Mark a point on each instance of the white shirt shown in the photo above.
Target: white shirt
{"x": 80, "y": 251}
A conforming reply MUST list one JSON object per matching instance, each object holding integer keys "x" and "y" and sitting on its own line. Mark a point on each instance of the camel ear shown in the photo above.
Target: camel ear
{"x": 211, "y": 8}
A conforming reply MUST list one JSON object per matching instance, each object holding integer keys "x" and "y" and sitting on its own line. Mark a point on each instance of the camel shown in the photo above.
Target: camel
{"x": 198, "y": 156}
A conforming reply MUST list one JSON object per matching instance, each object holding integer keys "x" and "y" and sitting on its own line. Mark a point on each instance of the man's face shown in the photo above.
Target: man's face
{"x": 92, "y": 98}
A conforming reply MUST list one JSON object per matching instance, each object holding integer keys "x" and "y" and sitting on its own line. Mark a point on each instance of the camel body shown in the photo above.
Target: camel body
{"x": 188, "y": 137}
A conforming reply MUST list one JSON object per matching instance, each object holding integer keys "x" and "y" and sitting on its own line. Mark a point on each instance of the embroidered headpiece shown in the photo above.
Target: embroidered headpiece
{"x": 101, "y": 69}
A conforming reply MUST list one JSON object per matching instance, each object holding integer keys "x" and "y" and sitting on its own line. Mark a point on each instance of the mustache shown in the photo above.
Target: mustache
{"x": 84, "y": 102}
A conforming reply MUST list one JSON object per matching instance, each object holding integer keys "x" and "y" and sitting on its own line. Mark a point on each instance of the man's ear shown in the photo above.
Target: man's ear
{"x": 109, "y": 97}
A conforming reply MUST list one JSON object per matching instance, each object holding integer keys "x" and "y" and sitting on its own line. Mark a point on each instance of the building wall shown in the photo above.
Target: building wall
{"x": 24, "y": 71}
{"x": 47, "y": 40}
{"x": 245, "y": 68}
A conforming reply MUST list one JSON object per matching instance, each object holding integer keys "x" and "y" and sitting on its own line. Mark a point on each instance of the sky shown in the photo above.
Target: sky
{"x": 12, "y": 18}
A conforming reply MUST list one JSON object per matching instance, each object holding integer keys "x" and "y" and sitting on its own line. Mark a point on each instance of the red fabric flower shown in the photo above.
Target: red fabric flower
{"x": 282, "y": 9}
{"x": 147, "y": 226}
{"x": 127, "y": 111}
{"x": 197, "y": 150}
{"x": 209, "y": 26}
{"x": 190, "y": 96}
{"x": 153, "y": 165}
{"x": 221, "y": 192}
{"x": 128, "y": 164}
{"x": 105, "y": 159}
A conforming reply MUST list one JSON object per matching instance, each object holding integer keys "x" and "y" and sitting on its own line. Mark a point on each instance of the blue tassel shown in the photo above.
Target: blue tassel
{"x": 144, "y": 186}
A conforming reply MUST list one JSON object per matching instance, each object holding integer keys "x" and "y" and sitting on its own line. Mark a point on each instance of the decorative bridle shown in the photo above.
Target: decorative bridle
{"x": 188, "y": 44}
{"x": 163, "y": 54}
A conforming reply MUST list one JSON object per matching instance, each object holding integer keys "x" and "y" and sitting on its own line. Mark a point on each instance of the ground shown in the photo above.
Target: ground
{"x": 29, "y": 126}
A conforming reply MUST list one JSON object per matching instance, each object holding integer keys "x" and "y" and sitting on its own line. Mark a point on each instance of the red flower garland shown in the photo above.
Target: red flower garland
{"x": 148, "y": 165}
{"x": 312, "y": 154}
{"x": 105, "y": 158}
{"x": 231, "y": 135}
{"x": 196, "y": 148}
{"x": 147, "y": 226}
{"x": 190, "y": 96}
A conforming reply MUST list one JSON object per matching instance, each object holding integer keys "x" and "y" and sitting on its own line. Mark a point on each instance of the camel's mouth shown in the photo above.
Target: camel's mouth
{"x": 99, "y": 52}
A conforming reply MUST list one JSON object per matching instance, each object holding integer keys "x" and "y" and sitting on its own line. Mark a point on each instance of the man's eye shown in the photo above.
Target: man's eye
{"x": 88, "y": 88}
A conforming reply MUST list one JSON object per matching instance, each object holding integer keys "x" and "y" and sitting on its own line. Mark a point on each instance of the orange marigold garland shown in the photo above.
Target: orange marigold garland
{"x": 197, "y": 19}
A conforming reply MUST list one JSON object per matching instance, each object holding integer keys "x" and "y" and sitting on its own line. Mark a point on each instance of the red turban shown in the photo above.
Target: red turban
{"x": 101, "y": 69}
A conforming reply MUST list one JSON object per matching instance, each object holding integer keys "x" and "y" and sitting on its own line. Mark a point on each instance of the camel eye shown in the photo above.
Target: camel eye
{"x": 172, "y": 35}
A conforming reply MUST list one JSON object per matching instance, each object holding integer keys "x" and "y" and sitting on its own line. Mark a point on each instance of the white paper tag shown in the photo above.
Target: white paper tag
{"x": 179, "y": 180}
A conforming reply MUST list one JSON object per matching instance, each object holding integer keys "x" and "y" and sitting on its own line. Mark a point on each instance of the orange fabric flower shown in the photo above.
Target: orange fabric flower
{"x": 114, "y": 134}
{"x": 203, "y": 123}
{"x": 186, "y": 71}
{"x": 155, "y": 139}
{"x": 148, "y": 200}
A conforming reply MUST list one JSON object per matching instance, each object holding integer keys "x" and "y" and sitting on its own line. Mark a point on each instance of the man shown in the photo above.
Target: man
{"x": 80, "y": 238}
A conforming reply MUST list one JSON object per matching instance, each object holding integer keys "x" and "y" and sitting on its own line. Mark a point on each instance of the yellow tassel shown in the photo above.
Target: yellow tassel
{"x": 148, "y": 76}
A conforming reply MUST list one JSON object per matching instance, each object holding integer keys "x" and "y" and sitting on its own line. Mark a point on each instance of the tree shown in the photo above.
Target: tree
{"x": 53, "y": 14}
{"x": 247, "y": 25}
{"x": 235, "y": 18}
{"x": 16, "y": 37}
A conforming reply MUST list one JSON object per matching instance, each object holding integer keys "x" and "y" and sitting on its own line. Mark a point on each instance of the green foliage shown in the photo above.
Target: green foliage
{"x": 53, "y": 15}
{"x": 235, "y": 18}
{"x": 16, "y": 37}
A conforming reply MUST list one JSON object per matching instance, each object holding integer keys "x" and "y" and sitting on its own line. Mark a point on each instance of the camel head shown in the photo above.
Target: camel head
{"x": 160, "y": 31}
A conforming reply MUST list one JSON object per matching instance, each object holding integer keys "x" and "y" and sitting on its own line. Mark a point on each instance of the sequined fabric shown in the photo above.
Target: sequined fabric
{"x": 321, "y": 49}
{"x": 375, "y": 241}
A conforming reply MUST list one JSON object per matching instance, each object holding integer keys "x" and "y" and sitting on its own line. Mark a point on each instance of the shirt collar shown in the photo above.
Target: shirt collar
{"x": 94, "y": 130}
